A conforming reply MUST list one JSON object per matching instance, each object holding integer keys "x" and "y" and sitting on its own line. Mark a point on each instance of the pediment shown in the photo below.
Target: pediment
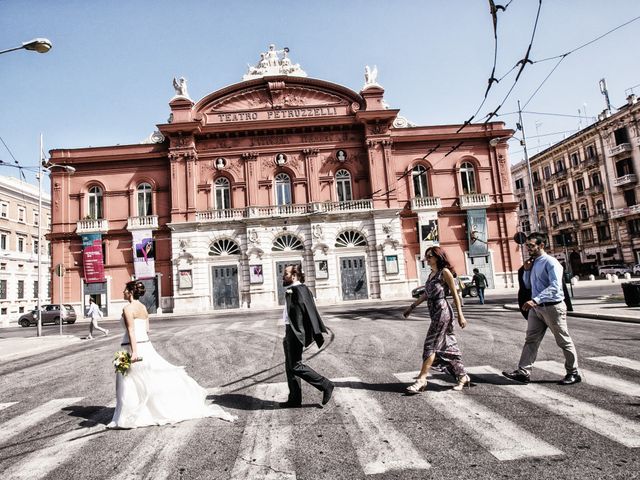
{"x": 280, "y": 96}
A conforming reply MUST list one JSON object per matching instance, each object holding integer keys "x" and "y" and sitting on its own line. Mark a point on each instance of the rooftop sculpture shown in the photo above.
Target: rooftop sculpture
{"x": 274, "y": 62}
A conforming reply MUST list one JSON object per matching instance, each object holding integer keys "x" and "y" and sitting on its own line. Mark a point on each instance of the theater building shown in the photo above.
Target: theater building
{"x": 281, "y": 168}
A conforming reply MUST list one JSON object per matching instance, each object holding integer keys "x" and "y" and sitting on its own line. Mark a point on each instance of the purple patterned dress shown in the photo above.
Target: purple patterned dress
{"x": 440, "y": 337}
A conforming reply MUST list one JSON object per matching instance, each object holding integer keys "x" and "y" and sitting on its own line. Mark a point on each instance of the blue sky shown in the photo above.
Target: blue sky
{"x": 108, "y": 78}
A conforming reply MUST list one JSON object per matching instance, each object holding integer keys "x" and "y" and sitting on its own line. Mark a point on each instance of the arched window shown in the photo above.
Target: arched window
{"x": 419, "y": 175}
{"x": 144, "y": 200}
{"x": 600, "y": 207}
{"x": 224, "y": 247}
{"x": 554, "y": 219}
{"x": 543, "y": 223}
{"x": 343, "y": 184}
{"x": 350, "y": 238}
{"x": 95, "y": 202}
{"x": 468, "y": 178}
{"x": 283, "y": 189}
{"x": 285, "y": 243}
{"x": 222, "y": 195}
{"x": 584, "y": 212}
{"x": 567, "y": 215}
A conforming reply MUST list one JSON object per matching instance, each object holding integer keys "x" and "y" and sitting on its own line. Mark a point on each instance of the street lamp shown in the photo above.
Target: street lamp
{"x": 47, "y": 166}
{"x": 40, "y": 45}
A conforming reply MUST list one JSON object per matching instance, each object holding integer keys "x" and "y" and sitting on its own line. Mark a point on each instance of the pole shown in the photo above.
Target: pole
{"x": 61, "y": 305}
{"x": 526, "y": 158}
{"x": 38, "y": 293}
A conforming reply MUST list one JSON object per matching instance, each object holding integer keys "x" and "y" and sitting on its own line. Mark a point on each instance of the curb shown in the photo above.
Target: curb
{"x": 593, "y": 316}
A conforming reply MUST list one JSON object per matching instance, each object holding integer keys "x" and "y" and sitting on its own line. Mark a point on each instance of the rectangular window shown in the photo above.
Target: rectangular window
{"x": 575, "y": 159}
{"x": 3, "y": 241}
{"x": 35, "y": 289}
{"x": 579, "y": 185}
{"x": 35, "y": 246}
{"x": 563, "y": 191}
{"x": 634, "y": 226}
{"x": 604, "y": 233}
{"x": 21, "y": 244}
{"x": 20, "y": 288}
{"x": 4, "y": 210}
{"x": 559, "y": 166}
{"x": 3, "y": 311}
{"x": 21, "y": 215}
{"x": 551, "y": 196}
{"x": 539, "y": 202}
{"x": 3, "y": 266}
{"x": 547, "y": 172}
{"x": 3, "y": 289}
{"x": 591, "y": 152}
{"x": 20, "y": 309}
{"x": 630, "y": 197}
{"x": 519, "y": 183}
{"x": 587, "y": 235}
{"x": 36, "y": 218}
{"x": 621, "y": 136}
{"x": 535, "y": 176}
{"x": 595, "y": 180}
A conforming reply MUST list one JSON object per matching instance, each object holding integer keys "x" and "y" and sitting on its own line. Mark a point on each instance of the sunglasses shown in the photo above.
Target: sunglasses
{"x": 429, "y": 256}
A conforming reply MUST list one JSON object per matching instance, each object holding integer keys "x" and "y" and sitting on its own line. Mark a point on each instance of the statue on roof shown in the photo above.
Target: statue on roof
{"x": 180, "y": 85}
{"x": 370, "y": 77}
{"x": 274, "y": 62}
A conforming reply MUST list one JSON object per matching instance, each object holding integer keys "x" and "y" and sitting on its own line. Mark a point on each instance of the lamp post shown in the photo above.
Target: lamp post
{"x": 41, "y": 166}
{"x": 40, "y": 45}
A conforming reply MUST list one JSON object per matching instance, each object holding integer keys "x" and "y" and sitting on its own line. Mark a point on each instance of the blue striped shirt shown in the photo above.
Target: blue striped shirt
{"x": 545, "y": 280}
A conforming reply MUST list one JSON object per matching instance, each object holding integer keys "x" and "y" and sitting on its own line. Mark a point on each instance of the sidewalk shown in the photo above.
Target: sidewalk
{"x": 599, "y": 310}
{"x": 16, "y": 348}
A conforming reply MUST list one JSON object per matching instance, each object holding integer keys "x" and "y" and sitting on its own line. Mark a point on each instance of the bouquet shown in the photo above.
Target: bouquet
{"x": 122, "y": 362}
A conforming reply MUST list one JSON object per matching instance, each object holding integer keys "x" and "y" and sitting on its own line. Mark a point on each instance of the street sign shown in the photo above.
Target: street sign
{"x": 520, "y": 238}
{"x": 60, "y": 270}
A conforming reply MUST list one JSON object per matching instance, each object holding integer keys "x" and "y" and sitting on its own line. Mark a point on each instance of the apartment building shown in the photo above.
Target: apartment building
{"x": 19, "y": 248}
{"x": 584, "y": 192}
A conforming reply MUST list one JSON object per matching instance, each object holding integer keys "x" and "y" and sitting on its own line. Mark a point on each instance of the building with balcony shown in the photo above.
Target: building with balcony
{"x": 279, "y": 169}
{"x": 19, "y": 220}
{"x": 590, "y": 203}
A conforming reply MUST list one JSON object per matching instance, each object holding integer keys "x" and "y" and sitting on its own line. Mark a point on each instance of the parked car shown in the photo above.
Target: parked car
{"x": 618, "y": 270}
{"x": 468, "y": 290}
{"x": 50, "y": 314}
{"x": 636, "y": 269}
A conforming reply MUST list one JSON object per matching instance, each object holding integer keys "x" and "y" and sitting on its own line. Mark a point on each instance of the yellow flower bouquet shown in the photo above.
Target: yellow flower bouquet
{"x": 122, "y": 362}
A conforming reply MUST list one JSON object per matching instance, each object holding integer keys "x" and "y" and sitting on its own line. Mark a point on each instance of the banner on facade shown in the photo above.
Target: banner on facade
{"x": 477, "y": 232}
{"x": 144, "y": 254}
{"x": 92, "y": 261}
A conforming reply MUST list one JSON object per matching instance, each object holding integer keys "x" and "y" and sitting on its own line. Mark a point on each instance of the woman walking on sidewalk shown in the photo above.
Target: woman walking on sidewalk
{"x": 440, "y": 346}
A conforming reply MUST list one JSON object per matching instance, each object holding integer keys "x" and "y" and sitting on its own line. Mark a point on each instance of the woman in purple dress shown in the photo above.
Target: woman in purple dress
{"x": 440, "y": 346}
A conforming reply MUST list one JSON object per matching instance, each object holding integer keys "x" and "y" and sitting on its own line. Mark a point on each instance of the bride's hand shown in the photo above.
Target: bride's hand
{"x": 135, "y": 358}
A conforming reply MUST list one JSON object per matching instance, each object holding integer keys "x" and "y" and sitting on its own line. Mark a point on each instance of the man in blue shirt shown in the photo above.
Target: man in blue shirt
{"x": 546, "y": 309}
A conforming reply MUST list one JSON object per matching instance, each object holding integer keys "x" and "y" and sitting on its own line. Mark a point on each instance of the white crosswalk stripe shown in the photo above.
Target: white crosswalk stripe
{"x": 606, "y": 382}
{"x": 27, "y": 420}
{"x": 618, "y": 362}
{"x": 379, "y": 446}
{"x": 58, "y": 450}
{"x": 501, "y": 437}
{"x": 234, "y": 326}
{"x": 603, "y": 422}
{"x": 263, "y": 448}
{"x": 6, "y": 405}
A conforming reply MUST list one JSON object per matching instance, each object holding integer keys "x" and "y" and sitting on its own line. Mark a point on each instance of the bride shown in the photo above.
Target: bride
{"x": 154, "y": 392}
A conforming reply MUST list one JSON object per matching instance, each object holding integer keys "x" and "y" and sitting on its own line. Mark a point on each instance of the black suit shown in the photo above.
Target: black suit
{"x": 305, "y": 326}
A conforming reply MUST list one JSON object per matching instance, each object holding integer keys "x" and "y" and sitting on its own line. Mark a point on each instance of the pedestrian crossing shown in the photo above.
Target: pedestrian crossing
{"x": 266, "y": 436}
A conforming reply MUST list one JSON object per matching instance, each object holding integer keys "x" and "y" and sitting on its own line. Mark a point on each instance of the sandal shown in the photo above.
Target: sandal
{"x": 463, "y": 381}
{"x": 419, "y": 386}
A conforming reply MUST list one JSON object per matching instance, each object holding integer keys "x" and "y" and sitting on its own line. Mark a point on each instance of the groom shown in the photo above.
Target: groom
{"x": 303, "y": 325}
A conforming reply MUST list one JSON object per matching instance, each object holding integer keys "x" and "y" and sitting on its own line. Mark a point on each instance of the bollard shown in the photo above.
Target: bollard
{"x": 614, "y": 278}
{"x": 592, "y": 277}
{"x": 627, "y": 276}
{"x": 574, "y": 281}
{"x": 608, "y": 277}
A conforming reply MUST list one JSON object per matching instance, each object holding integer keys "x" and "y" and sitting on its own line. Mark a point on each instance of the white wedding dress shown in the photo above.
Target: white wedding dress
{"x": 155, "y": 392}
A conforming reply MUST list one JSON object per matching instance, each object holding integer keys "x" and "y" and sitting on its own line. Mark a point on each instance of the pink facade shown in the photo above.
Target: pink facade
{"x": 279, "y": 169}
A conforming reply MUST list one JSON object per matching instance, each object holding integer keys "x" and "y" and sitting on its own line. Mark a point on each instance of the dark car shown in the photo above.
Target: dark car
{"x": 50, "y": 314}
{"x": 468, "y": 290}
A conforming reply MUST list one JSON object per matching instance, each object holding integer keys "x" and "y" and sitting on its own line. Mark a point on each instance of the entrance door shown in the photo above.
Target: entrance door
{"x": 225, "y": 287}
{"x": 150, "y": 297}
{"x": 279, "y": 272}
{"x": 353, "y": 272}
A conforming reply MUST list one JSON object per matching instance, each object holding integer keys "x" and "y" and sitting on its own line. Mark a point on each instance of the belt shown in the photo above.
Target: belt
{"x": 139, "y": 341}
{"x": 549, "y": 304}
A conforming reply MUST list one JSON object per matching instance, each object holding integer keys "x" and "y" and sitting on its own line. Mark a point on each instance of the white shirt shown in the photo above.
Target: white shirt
{"x": 285, "y": 315}
{"x": 94, "y": 311}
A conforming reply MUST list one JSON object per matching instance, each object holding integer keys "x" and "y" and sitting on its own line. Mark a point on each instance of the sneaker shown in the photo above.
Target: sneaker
{"x": 106, "y": 332}
{"x": 518, "y": 376}
{"x": 89, "y": 337}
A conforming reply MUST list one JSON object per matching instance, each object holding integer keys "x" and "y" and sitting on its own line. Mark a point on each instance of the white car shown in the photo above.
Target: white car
{"x": 618, "y": 270}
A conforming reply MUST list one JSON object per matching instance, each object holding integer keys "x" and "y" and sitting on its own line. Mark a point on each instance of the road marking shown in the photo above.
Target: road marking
{"x": 58, "y": 450}
{"x": 27, "y": 420}
{"x": 605, "y": 382}
{"x": 619, "y": 362}
{"x": 331, "y": 318}
{"x": 234, "y": 326}
{"x": 258, "y": 324}
{"x": 6, "y": 405}
{"x": 379, "y": 446}
{"x": 265, "y": 441}
{"x": 608, "y": 424}
{"x": 501, "y": 437}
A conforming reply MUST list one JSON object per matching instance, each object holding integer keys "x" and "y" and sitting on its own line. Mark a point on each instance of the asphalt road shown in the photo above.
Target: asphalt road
{"x": 53, "y": 407}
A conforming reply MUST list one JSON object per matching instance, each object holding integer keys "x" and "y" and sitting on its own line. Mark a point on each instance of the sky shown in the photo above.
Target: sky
{"x": 108, "y": 78}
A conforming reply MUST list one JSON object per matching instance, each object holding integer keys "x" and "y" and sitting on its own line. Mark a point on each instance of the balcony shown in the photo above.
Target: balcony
{"x": 90, "y": 225}
{"x": 595, "y": 189}
{"x": 564, "y": 224}
{"x": 421, "y": 204}
{"x": 560, "y": 174}
{"x": 140, "y": 223}
{"x": 620, "y": 149}
{"x": 563, "y": 199}
{"x": 537, "y": 184}
{"x": 523, "y": 212}
{"x": 292, "y": 210}
{"x": 623, "y": 212}
{"x": 625, "y": 180}
{"x": 600, "y": 217}
{"x": 474, "y": 200}
{"x": 592, "y": 161}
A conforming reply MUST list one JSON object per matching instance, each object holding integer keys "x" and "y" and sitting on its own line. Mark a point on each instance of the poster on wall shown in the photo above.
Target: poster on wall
{"x": 429, "y": 232}
{"x": 391, "y": 264}
{"x": 477, "y": 232}
{"x": 144, "y": 254}
{"x": 185, "y": 279}
{"x": 255, "y": 274}
{"x": 92, "y": 261}
{"x": 322, "y": 269}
